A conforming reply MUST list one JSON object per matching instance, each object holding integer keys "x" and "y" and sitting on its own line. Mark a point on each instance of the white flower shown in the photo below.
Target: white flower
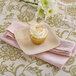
{"x": 52, "y": 9}
{"x": 45, "y": 3}
{"x": 47, "y": 8}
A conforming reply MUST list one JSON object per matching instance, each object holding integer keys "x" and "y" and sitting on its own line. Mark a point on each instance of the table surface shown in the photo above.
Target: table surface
{"x": 13, "y": 62}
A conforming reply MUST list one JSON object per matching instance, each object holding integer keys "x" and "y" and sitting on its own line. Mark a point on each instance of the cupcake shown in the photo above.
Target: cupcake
{"x": 38, "y": 33}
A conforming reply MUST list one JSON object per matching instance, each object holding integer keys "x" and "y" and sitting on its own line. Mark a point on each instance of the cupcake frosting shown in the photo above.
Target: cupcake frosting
{"x": 38, "y": 31}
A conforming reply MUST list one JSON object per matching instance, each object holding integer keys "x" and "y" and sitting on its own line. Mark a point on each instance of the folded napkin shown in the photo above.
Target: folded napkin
{"x": 55, "y": 56}
{"x": 66, "y": 48}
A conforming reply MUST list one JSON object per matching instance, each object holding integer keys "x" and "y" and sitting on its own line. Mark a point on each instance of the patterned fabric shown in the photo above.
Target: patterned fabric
{"x": 13, "y": 62}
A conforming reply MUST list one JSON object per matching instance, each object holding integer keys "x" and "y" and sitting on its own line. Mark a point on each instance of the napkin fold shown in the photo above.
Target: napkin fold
{"x": 66, "y": 48}
{"x": 57, "y": 56}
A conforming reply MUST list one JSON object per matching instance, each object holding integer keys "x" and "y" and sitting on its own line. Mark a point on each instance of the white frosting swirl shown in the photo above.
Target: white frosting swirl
{"x": 38, "y": 31}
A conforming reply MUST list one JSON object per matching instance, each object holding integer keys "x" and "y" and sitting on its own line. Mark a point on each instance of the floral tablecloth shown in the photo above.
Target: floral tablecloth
{"x": 14, "y": 62}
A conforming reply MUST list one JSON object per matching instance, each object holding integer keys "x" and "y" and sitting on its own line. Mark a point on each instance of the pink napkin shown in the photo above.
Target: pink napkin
{"x": 55, "y": 56}
{"x": 66, "y": 48}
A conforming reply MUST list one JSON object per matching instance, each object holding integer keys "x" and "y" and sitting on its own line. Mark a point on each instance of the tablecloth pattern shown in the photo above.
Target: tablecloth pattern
{"x": 14, "y": 62}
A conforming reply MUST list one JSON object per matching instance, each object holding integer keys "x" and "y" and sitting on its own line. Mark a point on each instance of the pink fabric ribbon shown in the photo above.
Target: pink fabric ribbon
{"x": 57, "y": 56}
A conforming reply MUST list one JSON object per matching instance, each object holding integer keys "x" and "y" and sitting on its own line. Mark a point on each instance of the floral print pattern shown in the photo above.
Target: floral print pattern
{"x": 14, "y": 62}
